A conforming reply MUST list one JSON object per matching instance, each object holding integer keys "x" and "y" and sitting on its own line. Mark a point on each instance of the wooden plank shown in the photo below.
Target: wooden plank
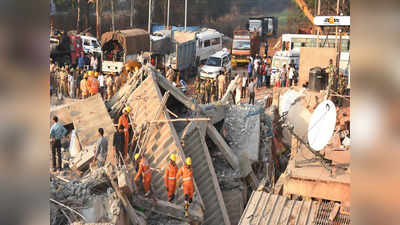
{"x": 222, "y": 146}
{"x": 334, "y": 212}
{"x": 133, "y": 217}
{"x": 169, "y": 209}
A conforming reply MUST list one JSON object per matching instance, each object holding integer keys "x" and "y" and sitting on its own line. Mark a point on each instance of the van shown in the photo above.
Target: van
{"x": 90, "y": 45}
{"x": 220, "y": 61}
{"x": 208, "y": 42}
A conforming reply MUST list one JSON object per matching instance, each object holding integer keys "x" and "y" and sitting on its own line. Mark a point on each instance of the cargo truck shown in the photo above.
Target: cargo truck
{"x": 244, "y": 45}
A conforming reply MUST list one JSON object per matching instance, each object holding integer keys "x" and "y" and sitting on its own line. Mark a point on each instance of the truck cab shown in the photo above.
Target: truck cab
{"x": 220, "y": 61}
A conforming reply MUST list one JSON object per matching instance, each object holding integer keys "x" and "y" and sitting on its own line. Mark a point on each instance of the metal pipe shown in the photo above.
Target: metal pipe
{"x": 185, "y": 14}
{"x": 168, "y": 13}
{"x": 149, "y": 25}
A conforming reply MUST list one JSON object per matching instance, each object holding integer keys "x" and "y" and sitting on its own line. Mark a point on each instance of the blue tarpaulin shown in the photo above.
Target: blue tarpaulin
{"x": 156, "y": 28}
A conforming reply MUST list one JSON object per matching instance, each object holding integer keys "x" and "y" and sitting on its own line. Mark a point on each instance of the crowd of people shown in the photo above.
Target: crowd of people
{"x": 259, "y": 75}
{"x": 85, "y": 80}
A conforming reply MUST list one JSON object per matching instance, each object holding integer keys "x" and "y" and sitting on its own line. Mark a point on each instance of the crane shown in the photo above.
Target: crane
{"x": 303, "y": 6}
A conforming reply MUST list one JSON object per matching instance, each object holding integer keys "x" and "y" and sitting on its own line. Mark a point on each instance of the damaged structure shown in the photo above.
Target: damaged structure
{"x": 238, "y": 152}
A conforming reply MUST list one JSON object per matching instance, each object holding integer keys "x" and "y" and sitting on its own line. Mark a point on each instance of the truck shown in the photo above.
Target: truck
{"x": 265, "y": 27}
{"x": 120, "y": 46}
{"x": 244, "y": 45}
{"x": 65, "y": 48}
{"x": 183, "y": 54}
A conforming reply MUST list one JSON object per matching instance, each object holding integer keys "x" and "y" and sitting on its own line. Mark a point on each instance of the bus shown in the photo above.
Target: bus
{"x": 291, "y": 44}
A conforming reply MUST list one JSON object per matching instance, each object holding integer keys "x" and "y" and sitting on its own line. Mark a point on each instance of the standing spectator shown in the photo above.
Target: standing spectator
{"x": 94, "y": 62}
{"x": 109, "y": 84}
{"x": 263, "y": 72}
{"x": 71, "y": 83}
{"x": 244, "y": 84}
{"x": 221, "y": 85}
{"x": 57, "y": 131}
{"x": 251, "y": 91}
{"x": 238, "y": 88}
{"x": 101, "y": 148}
{"x": 283, "y": 76}
{"x": 291, "y": 74}
{"x": 267, "y": 75}
{"x": 78, "y": 83}
{"x": 119, "y": 144}
{"x": 87, "y": 61}
{"x": 81, "y": 61}
{"x": 259, "y": 74}
{"x": 101, "y": 82}
{"x": 250, "y": 69}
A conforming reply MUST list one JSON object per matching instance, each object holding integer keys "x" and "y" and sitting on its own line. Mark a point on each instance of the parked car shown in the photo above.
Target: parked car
{"x": 220, "y": 61}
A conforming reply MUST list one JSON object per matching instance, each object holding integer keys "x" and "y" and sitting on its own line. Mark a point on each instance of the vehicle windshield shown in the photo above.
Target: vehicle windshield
{"x": 95, "y": 44}
{"x": 213, "y": 61}
{"x": 241, "y": 44}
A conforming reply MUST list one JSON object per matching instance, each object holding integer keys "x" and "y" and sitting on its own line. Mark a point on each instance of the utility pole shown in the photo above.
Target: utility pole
{"x": 98, "y": 31}
{"x": 185, "y": 14}
{"x": 132, "y": 11}
{"x": 149, "y": 25}
{"x": 112, "y": 15}
{"x": 318, "y": 13}
{"x": 337, "y": 14}
{"x": 168, "y": 5}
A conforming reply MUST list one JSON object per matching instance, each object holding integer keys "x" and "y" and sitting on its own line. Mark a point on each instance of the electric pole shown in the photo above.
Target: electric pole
{"x": 132, "y": 11}
{"x": 185, "y": 14}
{"x": 112, "y": 15}
{"x": 168, "y": 5}
{"x": 149, "y": 25}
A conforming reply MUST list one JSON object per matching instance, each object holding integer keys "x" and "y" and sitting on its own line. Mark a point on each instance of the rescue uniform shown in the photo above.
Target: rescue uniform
{"x": 187, "y": 177}
{"x": 145, "y": 171}
{"x": 207, "y": 92}
{"x": 221, "y": 85}
{"x": 84, "y": 89}
{"x": 124, "y": 120}
{"x": 170, "y": 180}
{"x": 202, "y": 92}
{"x": 213, "y": 92}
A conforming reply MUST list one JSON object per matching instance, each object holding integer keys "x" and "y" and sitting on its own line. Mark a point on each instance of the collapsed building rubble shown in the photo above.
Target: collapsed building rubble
{"x": 233, "y": 149}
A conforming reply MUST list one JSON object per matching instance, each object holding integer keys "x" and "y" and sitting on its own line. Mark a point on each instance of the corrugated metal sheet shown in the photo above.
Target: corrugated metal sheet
{"x": 163, "y": 141}
{"x": 204, "y": 174}
{"x": 268, "y": 209}
{"x": 324, "y": 212}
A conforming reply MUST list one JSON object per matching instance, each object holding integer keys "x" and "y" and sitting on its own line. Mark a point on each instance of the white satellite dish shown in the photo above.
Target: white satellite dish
{"x": 322, "y": 125}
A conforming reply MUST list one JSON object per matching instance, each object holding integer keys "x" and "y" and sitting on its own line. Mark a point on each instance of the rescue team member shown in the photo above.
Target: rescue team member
{"x": 145, "y": 171}
{"x": 170, "y": 177}
{"x": 221, "y": 85}
{"x": 186, "y": 172}
{"x": 93, "y": 84}
{"x": 83, "y": 85}
{"x": 124, "y": 121}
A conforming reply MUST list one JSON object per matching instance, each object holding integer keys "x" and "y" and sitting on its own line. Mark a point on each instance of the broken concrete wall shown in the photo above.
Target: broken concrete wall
{"x": 312, "y": 57}
{"x": 241, "y": 130}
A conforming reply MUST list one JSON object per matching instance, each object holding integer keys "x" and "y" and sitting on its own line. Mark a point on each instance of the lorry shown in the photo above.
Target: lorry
{"x": 120, "y": 46}
{"x": 183, "y": 55}
{"x": 265, "y": 27}
{"x": 65, "y": 48}
{"x": 244, "y": 45}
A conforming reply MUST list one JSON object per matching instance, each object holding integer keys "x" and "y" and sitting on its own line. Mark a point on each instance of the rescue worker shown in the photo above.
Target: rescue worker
{"x": 93, "y": 84}
{"x": 186, "y": 172}
{"x": 341, "y": 84}
{"x": 207, "y": 91}
{"x": 83, "y": 85}
{"x": 170, "y": 177}
{"x": 170, "y": 74}
{"x": 331, "y": 70}
{"x": 202, "y": 92}
{"x": 124, "y": 121}
{"x": 145, "y": 172}
{"x": 63, "y": 81}
{"x": 221, "y": 85}
{"x": 196, "y": 86}
{"x": 109, "y": 84}
{"x": 117, "y": 83}
{"x": 213, "y": 91}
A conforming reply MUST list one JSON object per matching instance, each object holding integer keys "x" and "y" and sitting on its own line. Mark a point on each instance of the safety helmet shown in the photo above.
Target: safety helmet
{"x": 137, "y": 156}
{"x": 188, "y": 161}
{"x": 91, "y": 73}
{"x": 96, "y": 74}
{"x": 173, "y": 157}
{"x": 127, "y": 109}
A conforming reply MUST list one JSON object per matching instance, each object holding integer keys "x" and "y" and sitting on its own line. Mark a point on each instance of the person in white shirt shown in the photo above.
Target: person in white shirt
{"x": 291, "y": 75}
{"x": 101, "y": 84}
{"x": 71, "y": 84}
